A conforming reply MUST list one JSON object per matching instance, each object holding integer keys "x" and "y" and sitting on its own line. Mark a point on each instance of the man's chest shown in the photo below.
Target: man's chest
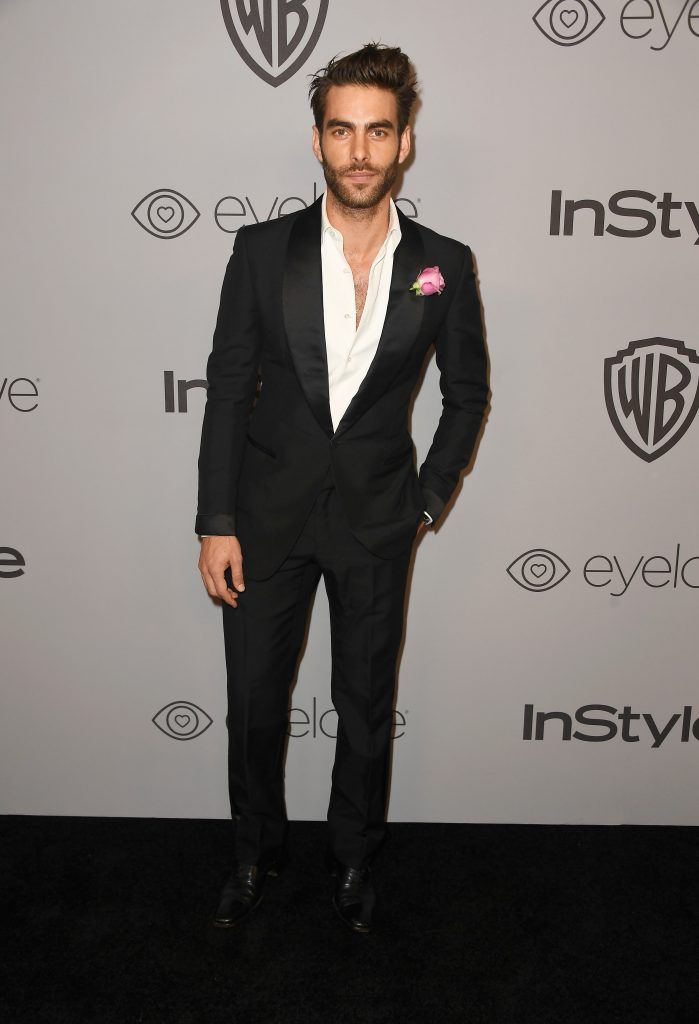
{"x": 360, "y": 270}
{"x": 352, "y": 288}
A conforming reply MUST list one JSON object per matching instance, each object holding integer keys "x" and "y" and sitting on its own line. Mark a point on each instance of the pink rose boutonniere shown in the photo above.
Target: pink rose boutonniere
{"x": 429, "y": 282}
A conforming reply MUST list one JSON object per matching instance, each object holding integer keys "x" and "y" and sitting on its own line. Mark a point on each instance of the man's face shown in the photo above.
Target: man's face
{"x": 359, "y": 146}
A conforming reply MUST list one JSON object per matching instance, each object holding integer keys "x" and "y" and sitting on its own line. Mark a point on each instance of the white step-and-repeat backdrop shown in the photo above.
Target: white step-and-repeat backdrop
{"x": 549, "y": 670}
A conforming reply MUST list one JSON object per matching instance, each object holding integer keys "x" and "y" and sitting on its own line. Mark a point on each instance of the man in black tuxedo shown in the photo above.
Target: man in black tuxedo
{"x": 333, "y": 308}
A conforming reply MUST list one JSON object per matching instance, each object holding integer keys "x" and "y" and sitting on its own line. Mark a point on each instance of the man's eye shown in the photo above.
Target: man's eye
{"x": 379, "y": 131}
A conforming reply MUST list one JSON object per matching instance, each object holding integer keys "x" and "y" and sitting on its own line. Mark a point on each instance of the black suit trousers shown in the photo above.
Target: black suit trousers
{"x": 263, "y": 636}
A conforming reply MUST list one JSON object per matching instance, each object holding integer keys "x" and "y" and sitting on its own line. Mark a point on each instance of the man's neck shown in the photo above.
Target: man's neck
{"x": 363, "y": 231}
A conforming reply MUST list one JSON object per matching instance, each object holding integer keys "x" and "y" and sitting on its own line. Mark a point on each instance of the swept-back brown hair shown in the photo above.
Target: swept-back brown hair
{"x": 375, "y": 64}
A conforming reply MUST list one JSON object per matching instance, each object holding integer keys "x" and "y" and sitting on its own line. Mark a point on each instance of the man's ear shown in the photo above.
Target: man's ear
{"x": 315, "y": 142}
{"x": 405, "y": 144}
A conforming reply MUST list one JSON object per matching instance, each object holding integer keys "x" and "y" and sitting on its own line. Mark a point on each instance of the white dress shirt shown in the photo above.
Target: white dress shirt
{"x": 351, "y": 348}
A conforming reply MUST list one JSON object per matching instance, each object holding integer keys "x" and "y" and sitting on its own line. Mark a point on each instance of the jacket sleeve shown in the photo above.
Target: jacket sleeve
{"x": 231, "y": 372}
{"x": 461, "y": 358}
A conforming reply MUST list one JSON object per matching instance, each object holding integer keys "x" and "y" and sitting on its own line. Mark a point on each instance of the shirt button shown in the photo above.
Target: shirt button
{"x": 347, "y": 316}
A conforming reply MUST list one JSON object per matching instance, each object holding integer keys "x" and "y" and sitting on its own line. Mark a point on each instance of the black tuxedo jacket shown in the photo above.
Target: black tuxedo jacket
{"x": 264, "y": 453}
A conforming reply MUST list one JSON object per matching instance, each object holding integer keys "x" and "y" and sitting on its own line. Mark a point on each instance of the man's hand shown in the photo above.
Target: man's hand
{"x": 216, "y": 554}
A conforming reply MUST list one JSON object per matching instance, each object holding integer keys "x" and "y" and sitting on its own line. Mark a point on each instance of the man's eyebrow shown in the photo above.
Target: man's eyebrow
{"x": 335, "y": 122}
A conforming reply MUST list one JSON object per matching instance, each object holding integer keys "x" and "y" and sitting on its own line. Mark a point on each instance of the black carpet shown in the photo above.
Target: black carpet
{"x": 106, "y": 920}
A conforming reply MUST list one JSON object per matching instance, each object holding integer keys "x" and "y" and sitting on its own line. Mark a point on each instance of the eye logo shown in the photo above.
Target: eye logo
{"x": 165, "y": 213}
{"x": 182, "y": 720}
{"x": 651, "y": 389}
{"x": 274, "y": 37}
{"x": 537, "y": 570}
{"x": 568, "y": 22}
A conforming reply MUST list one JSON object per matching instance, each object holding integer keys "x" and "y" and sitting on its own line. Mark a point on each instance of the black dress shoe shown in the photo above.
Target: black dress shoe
{"x": 354, "y": 896}
{"x": 243, "y": 892}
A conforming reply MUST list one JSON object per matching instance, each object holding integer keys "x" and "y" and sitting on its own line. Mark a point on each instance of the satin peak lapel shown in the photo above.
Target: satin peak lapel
{"x": 403, "y": 320}
{"x": 302, "y": 306}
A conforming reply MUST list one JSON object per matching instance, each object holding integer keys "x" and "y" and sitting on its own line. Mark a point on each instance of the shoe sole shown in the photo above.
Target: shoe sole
{"x": 273, "y": 872}
{"x": 221, "y": 922}
{"x": 357, "y": 929}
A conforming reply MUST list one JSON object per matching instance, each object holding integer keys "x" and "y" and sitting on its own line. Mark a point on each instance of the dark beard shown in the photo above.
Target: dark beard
{"x": 365, "y": 198}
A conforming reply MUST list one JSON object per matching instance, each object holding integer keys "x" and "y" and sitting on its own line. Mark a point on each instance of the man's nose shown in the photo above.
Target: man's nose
{"x": 359, "y": 151}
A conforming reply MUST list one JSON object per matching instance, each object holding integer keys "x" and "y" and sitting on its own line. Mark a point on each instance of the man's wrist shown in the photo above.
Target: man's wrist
{"x": 433, "y": 503}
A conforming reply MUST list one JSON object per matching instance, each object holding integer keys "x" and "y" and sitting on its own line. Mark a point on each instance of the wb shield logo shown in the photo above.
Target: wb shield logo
{"x": 652, "y": 391}
{"x": 274, "y": 37}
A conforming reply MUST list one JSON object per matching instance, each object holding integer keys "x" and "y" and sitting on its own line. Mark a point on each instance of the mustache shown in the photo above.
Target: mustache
{"x": 350, "y": 168}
